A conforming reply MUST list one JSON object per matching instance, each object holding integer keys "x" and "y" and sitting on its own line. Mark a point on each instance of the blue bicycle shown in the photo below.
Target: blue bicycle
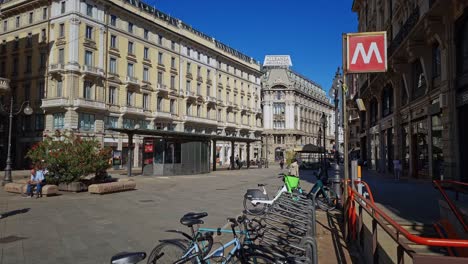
{"x": 196, "y": 248}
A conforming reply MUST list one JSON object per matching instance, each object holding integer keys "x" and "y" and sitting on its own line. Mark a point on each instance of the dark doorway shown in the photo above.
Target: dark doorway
{"x": 462, "y": 135}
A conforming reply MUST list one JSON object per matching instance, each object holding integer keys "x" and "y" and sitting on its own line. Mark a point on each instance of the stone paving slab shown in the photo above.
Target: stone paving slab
{"x": 85, "y": 228}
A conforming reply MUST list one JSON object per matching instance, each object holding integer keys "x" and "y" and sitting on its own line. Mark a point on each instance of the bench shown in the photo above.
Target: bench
{"x": 16, "y": 187}
{"x": 111, "y": 187}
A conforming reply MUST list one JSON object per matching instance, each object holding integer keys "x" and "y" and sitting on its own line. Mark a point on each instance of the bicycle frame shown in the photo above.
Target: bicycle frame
{"x": 194, "y": 251}
{"x": 270, "y": 202}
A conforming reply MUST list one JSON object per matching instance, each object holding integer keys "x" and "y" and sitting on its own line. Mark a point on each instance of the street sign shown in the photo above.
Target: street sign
{"x": 366, "y": 52}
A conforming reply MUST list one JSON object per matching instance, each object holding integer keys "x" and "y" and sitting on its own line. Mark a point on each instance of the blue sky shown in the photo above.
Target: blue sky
{"x": 308, "y": 30}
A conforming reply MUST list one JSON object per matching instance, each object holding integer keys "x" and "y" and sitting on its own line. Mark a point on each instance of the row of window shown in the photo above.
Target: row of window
{"x": 20, "y": 19}
{"x": 28, "y": 69}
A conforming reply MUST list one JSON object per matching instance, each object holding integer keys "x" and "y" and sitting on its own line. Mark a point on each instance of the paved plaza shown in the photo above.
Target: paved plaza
{"x": 85, "y": 228}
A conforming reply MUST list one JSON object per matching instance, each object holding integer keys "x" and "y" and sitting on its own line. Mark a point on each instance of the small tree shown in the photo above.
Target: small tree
{"x": 290, "y": 155}
{"x": 68, "y": 157}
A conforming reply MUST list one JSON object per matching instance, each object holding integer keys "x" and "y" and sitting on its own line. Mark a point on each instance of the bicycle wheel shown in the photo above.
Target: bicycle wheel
{"x": 168, "y": 253}
{"x": 252, "y": 258}
{"x": 326, "y": 199}
{"x": 254, "y": 209}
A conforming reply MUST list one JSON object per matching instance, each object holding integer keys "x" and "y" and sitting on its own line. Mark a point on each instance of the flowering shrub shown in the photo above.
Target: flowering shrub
{"x": 68, "y": 157}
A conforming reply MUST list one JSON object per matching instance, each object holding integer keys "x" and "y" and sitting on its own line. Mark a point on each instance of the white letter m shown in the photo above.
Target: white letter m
{"x": 366, "y": 57}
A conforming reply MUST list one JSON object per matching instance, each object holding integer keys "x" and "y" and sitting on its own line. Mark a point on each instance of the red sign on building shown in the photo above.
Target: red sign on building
{"x": 366, "y": 52}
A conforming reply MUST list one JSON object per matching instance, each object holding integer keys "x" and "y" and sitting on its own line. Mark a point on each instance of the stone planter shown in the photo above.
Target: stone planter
{"x": 73, "y": 187}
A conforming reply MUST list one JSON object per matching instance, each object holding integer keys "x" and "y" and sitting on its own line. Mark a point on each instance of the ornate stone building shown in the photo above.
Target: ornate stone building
{"x": 417, "y": 112}
{"x": 90, "y": 65}
{"x": 292, "y": 108}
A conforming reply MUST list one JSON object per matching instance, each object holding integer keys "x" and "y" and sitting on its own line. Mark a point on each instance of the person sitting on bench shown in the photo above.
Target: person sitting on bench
{"x": 37, "y": 180}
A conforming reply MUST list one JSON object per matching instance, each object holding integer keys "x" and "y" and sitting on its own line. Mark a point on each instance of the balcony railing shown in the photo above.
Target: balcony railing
{"x": 209, "y": 81}
{"x": 200, "y": 120}
{"x": 162, "y": 87}
{"x": 54, "y": 102}
{"x": 83, "y": 103}
{"x": 199, "y": 79}
{"x": 130, "y": 80}
{"x": 53, "y": 68}
{"x": 190, "y": 94}
{"x": 91, "y": 70}
{"x": 162, "y": 114}
{"x": 4, "y": 85}
{"x": 404, "y": 31}
{"x": 131, "y": 110}
{"x": 210, "y": 99}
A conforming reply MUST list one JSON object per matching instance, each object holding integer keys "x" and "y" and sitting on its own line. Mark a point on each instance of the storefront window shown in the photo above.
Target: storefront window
{"x": 437, "y": 153}
{"x": 420, "y": 153}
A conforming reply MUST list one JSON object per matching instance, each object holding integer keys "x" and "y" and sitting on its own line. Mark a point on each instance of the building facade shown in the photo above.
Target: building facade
{"x": 417, "y": 110}
{"x": 292, "y": 108}
{"x": 92, "y": 65}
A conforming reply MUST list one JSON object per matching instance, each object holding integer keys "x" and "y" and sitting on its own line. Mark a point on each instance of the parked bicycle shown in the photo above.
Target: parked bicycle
{"x": 256, "y": 201}
{"x": 325, "y": 197}
{"x": 196, "y": 248}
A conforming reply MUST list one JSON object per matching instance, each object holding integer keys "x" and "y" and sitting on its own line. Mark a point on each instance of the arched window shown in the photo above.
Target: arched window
{"x": 387, "y": 100}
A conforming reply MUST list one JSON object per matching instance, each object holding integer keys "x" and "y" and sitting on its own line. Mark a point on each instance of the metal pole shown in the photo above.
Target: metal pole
{"x": 337, "y": 144}
{"x": 324, "y": 148}
{"x": 346, "y": 140}
{"x": 7, "y": 177}
{"x": 130, "y": 155}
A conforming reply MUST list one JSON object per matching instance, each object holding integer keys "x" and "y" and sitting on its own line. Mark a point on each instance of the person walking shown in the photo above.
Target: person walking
{"x": 294, "y": 168}
{"x": 281, "y": 163}
{"x": 397, "y": 169}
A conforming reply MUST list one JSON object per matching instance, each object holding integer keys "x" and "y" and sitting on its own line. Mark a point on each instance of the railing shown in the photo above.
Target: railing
{"x": 54, "y": 102}
{"x": 404, "y": 31}
{"x": 132, "y": 80}
{"x": 56, "y": 67}
{"x": 4, "y": 84}
{"x": 438, "y": 184}
{"x": 89, "y": 103}
{"x": 387, "y": 223}
{"x": 92, "y": 70}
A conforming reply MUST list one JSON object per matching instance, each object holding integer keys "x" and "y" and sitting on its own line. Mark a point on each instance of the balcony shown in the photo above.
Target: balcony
{"x": 199, "y": 79}
{"x": 54, "y": 102}
{"x": 199, "y": 120}
{"x": 209, "y": 82}
{"x": 162, "y": 87}
{"x": 132, "y": 81}
{"x": 4, "y": 85}
{"x": 131, "y": 110}
{"x": 220, "y": 85}
{"x": 189, "y": 76}
{"x": 228, "y": 87}
{"x": 92, "y": 71}
{"x": 89, "y": 104}
{"x": 162, "y": 114}
{"x": 210, "y": 99}
{"x": 190, "y": 94}
{"x": 56, "y": 68}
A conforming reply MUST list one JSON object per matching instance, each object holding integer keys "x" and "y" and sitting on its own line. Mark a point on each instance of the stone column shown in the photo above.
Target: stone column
{"x": 74, "y": 42}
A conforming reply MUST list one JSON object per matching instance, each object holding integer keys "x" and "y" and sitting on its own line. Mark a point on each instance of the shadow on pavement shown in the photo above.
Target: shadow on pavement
{"x": 14, "y": 212}
{"x": 11, "y": 239}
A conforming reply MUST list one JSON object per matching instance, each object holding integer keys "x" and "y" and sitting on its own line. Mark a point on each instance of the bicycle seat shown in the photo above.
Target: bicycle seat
{"x": 261, "y": 185}
{"x": 128, "y": 257}
{"x": 195, "y": 215}
{"x": 190, "y": 221}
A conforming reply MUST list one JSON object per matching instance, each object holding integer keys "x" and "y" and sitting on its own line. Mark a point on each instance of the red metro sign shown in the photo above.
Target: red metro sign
{"x": 366, "y": 52}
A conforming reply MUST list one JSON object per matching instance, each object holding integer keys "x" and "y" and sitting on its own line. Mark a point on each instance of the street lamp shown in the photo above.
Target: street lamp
{"x": 27, "y": 111}
{"x": 323, "y": 121}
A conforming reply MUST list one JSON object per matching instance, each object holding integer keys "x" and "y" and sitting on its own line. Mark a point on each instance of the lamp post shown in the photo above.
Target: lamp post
{"x": 319, "y": 143}
{"x": 323, "y": 120}
{"x": 27, "y": 111}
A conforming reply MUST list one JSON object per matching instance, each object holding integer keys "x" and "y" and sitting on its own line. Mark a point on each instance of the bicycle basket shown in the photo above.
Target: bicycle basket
{"x": 292, "y": 182}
